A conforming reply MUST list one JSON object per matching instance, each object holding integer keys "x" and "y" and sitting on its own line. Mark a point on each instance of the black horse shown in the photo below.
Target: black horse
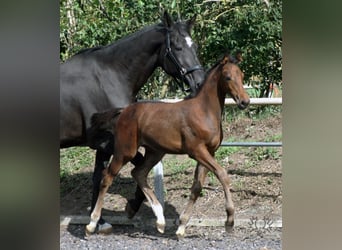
{"x": 102, "y": 78}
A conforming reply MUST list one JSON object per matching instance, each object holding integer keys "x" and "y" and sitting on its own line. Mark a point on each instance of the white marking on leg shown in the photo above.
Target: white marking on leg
{"x": 180, "y": 231}
{"x": 158, "y": 211}
{"x": 189, "y": 41}
{"x": 91, "y": 226}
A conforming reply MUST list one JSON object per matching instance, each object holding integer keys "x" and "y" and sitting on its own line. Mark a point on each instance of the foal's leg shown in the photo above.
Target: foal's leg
{"x": 199, "y": 178}
{"x": 108, "y": 175}
{"x": 206, "y": 159}
{"x": 101, "y": 162}
{"x": 140, "y": 175}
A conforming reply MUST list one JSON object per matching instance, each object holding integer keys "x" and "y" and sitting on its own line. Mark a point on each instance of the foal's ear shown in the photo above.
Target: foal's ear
{"x": 238, "y": 56}
{"x": 225, "y": 59}
{"x": 167, "y": 20}
{"x": 191, "y": 22}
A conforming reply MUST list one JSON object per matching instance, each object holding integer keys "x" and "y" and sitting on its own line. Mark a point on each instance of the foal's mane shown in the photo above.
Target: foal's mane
{"x": 232, "y": 59}
{"x": 207, "y": 73}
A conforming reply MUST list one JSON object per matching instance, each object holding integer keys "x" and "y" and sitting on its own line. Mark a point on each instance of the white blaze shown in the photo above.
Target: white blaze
{"x": 188, "y": 40}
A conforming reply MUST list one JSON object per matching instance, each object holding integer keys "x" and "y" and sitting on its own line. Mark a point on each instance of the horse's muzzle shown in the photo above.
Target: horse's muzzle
{"x": 243, "y": 104}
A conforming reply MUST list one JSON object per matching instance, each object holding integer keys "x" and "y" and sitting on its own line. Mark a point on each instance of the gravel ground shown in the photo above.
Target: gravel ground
{"x": 128, "y": 237}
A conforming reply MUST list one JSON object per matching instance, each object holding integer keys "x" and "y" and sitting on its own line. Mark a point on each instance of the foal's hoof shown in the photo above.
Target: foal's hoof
{"x": 229, "y": 226}
{"x": 160, "y": 227}
{"x": 180, "y": 232}
{"x": 130, "y": 211}
{"x": 89, "y": 230}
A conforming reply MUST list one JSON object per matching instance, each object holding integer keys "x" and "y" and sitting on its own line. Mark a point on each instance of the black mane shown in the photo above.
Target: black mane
{"x": 122, "y": 40}
{"x": 89, "y": 50}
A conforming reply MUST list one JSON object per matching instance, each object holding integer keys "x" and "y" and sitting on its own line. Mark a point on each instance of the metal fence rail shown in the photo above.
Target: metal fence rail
{"x": 251, "y": 144}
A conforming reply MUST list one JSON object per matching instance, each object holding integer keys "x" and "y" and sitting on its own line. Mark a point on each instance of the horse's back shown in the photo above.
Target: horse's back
{"x": 87, "y": 86}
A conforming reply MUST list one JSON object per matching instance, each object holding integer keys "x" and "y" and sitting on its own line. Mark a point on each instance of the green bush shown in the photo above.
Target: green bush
{"x": 254, "y": 27}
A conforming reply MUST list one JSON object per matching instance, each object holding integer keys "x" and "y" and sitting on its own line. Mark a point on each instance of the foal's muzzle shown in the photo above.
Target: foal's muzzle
{"x": 243, "y": 103}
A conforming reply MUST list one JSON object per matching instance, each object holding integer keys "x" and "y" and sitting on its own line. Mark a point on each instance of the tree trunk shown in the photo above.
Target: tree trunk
{"x": 72, "y": 24}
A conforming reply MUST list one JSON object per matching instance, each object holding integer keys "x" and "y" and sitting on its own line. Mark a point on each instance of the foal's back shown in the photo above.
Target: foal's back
{"x": 170, "y": 127}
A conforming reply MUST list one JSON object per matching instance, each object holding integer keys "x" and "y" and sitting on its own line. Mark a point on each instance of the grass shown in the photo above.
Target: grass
{"x": 274, "y": 138}
{"x": 71, "y": 161}
{"x": 223, "y": 153}
{"x": 174, "y": 166}
{"x": 75, "y": 158}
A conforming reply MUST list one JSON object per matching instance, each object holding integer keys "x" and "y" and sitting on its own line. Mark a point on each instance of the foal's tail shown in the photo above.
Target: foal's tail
{"x": 105, "y": 120}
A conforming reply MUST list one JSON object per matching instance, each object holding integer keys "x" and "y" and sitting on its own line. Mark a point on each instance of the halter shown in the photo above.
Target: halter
{"x": 182, "y": 71}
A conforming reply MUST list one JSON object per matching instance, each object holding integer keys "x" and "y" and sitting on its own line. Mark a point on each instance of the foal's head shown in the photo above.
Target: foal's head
{"x": 232, "y": 80}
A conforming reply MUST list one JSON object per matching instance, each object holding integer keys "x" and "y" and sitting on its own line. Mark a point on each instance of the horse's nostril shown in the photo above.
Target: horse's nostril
{"x": 245, "y": 102}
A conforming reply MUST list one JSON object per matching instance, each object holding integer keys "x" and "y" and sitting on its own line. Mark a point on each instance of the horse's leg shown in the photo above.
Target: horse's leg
{"x": 101, "y": 162}
{"x": 133, "y": 205}
{"x": 140, "y": 175}
{"x": 206, "y": 159}
{"x": 108, "y": 175}
{"x": 199, "y": 178}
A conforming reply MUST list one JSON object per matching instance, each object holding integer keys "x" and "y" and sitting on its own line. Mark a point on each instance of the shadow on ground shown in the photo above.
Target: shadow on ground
{"x": 76, "y": 193}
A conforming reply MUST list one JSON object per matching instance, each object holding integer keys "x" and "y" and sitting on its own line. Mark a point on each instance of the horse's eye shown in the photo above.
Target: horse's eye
{"x": 178, "y": 48}
{"x": 228, "y": 78}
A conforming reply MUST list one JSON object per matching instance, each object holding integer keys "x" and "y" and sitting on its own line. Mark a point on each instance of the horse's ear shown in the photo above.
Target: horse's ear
{"x": 191, "y": 22}
{"x": 167, "y": 20}
{"x": 238, "y": 56}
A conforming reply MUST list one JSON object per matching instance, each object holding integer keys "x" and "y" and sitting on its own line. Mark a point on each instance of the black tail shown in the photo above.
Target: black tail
{"x": 105, "y": 120}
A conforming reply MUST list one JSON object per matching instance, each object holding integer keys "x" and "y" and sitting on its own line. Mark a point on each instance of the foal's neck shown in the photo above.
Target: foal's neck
{"x": 211, "y": 94}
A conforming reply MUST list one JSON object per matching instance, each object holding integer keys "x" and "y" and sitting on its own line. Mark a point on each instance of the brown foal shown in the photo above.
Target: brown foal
{"x": 191, "y": 126}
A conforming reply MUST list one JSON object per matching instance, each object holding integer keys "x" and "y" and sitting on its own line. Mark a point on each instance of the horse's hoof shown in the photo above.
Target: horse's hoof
{"x": 180, "y": 232}
{"x": 130, "y": 211}
{"x": 229, "y": 226}
{"x": 105, "y": 228}
{"x": 160, "y": 227}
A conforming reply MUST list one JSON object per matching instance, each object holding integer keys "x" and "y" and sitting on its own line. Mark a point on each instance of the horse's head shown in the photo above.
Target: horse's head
{"x": 232, "y": 80}
{"x": 178, "y": 55}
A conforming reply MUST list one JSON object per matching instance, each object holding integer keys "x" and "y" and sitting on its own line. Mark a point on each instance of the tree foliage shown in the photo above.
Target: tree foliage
{"x": 251, "y": 26}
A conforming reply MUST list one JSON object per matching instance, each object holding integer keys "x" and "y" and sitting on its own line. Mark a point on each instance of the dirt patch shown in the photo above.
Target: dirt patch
{"x": 255, "y": 173}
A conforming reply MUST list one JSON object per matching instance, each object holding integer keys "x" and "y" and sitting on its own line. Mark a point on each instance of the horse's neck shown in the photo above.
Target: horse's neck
{"x": 137, "y": 57}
